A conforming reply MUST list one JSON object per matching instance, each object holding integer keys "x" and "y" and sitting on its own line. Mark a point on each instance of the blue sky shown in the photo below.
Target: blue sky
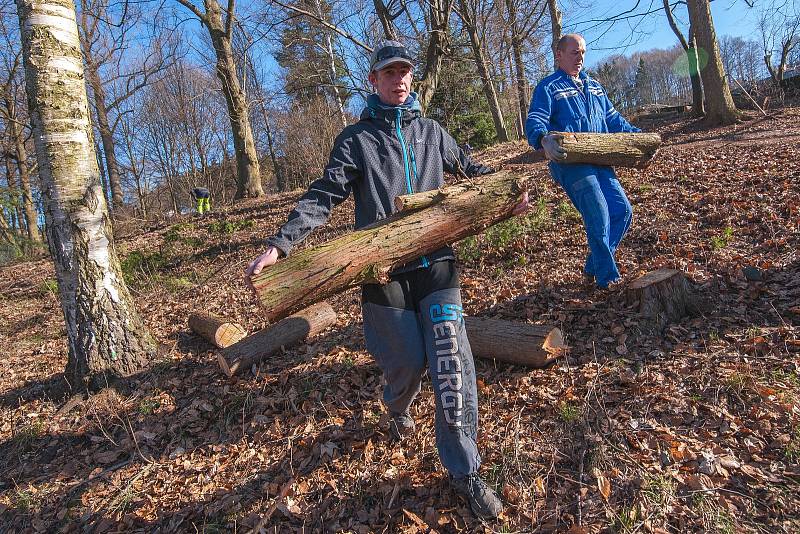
{"x": 731, "y": 17}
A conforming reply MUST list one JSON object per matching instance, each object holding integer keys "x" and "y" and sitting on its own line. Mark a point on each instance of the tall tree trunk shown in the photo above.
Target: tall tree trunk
{"x": 280, "y": 184}
{"x": 719, "y": 105}
{"x": 690, "y": 47}
{"x": 21, "y": 156}
{"x": 107, "y": 138}
{"x": 698, "y": 96}
{"x": 105, "y": 334}
{"x": 248, "y": 183}
{"x": 470, "y": 22}
{"x": 247, "y": 167}
{"x": 519, "y": 67}
{"x": 337, "y": 97}
{"x": 555, "y": 27}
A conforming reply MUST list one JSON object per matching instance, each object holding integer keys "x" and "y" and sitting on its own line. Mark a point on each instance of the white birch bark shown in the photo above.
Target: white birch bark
{"x": 105, "y": 334}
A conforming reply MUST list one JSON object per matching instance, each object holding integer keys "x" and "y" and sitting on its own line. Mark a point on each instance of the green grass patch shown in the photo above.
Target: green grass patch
{"x": 49, "y": 287}
{"x": 229, "y": 227}
{"x": 504, "y": 239}
{"x": 566, "y": 211}
{"x": 149, "y": 406}
{"x": 723, "y": 240}
{"x": 568, "y": 412}
{"x": 27, "y": 434}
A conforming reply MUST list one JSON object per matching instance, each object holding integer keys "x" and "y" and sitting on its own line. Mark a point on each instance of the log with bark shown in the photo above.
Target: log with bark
{"x": 216, "y": 330}
{"x": 369, "y": 254}
{"x": 617, "y": 149}
{"x": 513, "y": 342}
{"x": 662, "y": 296}
{"x": 284, "y": 333}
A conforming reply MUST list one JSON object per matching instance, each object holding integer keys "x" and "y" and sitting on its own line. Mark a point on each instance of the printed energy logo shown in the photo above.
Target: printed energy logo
{"x": 445, "y": 319}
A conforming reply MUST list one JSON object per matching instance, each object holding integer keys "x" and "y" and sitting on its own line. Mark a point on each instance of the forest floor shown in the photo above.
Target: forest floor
{"x": 695, "y": 428}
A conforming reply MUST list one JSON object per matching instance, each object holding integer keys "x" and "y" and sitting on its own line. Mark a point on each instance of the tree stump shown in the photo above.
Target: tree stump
{"x": 518, "y": 343}
{"x": 286, "y": 332}
{"x": 617, "y": 149}
{"x": 216, "y": 330}
{"x": 662, "y": 296}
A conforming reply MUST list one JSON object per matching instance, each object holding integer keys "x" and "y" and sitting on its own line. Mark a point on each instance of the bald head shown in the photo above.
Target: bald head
{"x": 569, "y": 53}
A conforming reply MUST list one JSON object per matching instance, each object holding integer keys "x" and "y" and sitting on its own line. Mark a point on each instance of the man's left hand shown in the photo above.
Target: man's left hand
{"x": 522, "y": 206}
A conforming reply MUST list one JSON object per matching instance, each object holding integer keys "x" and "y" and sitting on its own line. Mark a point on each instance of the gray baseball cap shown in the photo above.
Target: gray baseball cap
{"x": 387, "y": 52}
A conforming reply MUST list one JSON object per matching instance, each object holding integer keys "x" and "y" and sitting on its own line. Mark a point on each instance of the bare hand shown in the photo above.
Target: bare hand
{"x": 522, "y": 206}
{"x": 257, "y": 265}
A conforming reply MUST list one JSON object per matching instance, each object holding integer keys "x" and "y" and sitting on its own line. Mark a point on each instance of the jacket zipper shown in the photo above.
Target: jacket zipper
{"x": 406, "y": 166}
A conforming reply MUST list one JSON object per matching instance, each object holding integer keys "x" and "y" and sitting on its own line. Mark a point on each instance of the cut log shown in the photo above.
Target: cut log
{"x": 662, "y": 296}
{"x": 216, "y": 330}
{"x": 368, "y": 255}
{"x": 512, "y": 342}
{"x": 618, "y": 149}
{"x": 293, "y": 329}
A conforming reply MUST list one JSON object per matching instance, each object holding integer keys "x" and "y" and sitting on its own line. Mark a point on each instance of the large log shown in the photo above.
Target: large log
{"x": 618, "y": 149}
{"x": 215, "y": 329}
{"x": 287, "y": 332}
{"x": 512, "y": 342}
{"x": 368, "y": 255}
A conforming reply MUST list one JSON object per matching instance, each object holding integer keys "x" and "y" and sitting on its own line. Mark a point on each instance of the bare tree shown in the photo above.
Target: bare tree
{"x": 432, "y": 37}
{"x": 221, "y": 32}
{"x": 779, "y": 24}
{"x": 15, "y": 125}
{"x": 105, "y": 334}
{"x": 112, "y": 77}
{"x": 522, "y": 21}
{"x": 719, "y": 105}
{"x": 555, "y": 25}
{"x": 470, "y": 11}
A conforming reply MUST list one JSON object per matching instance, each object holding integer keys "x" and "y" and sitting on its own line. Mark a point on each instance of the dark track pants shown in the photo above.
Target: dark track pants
{"x": 413, "y": 324}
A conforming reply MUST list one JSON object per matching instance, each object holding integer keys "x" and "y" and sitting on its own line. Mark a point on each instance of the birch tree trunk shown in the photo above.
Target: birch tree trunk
{"x": 105, "y": 334}
{"x": 720, "y": 109}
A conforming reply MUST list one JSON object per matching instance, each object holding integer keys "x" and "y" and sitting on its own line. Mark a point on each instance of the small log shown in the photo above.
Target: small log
{"x": 369, "y": 254}
{"x": 286, "y": 332}
{"x": 618, "y": 149}
{"x": 518, "y": 343}
{"x": 662, "y": 296}
{"x": 216, "y": 330}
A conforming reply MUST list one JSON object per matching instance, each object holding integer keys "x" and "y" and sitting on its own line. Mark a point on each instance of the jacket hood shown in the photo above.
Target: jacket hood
{"x": 376, "y": 109}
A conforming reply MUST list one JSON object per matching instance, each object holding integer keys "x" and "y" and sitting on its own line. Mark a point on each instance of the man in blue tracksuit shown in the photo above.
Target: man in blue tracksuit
{"x": 570, "y": 101}
{"x": 414, "y": 323}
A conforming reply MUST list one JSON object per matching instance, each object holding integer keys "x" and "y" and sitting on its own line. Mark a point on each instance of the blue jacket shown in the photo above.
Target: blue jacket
{"x": 391, "y": 151}
{"x": 559, "y": 106}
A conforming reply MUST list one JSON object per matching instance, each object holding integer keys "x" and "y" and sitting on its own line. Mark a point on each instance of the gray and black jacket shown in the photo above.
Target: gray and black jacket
{"x": 390, "y": 151}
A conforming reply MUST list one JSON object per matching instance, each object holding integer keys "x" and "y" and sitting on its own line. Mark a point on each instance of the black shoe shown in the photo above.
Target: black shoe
{"x": 482, "y": 499}
{"x": 401, "y": 425}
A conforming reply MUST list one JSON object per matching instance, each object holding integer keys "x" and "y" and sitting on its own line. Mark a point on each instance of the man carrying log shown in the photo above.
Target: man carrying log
{"x": 570, "y": 101}
{"x": 415, "y": 321}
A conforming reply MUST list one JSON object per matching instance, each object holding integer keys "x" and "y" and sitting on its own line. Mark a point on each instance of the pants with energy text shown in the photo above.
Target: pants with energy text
{"x": 413, "y": 324}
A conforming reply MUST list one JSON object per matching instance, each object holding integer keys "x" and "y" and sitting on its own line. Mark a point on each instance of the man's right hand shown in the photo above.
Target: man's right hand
{"x": 257, "y": 265}
{"x": 552, "y": 147}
